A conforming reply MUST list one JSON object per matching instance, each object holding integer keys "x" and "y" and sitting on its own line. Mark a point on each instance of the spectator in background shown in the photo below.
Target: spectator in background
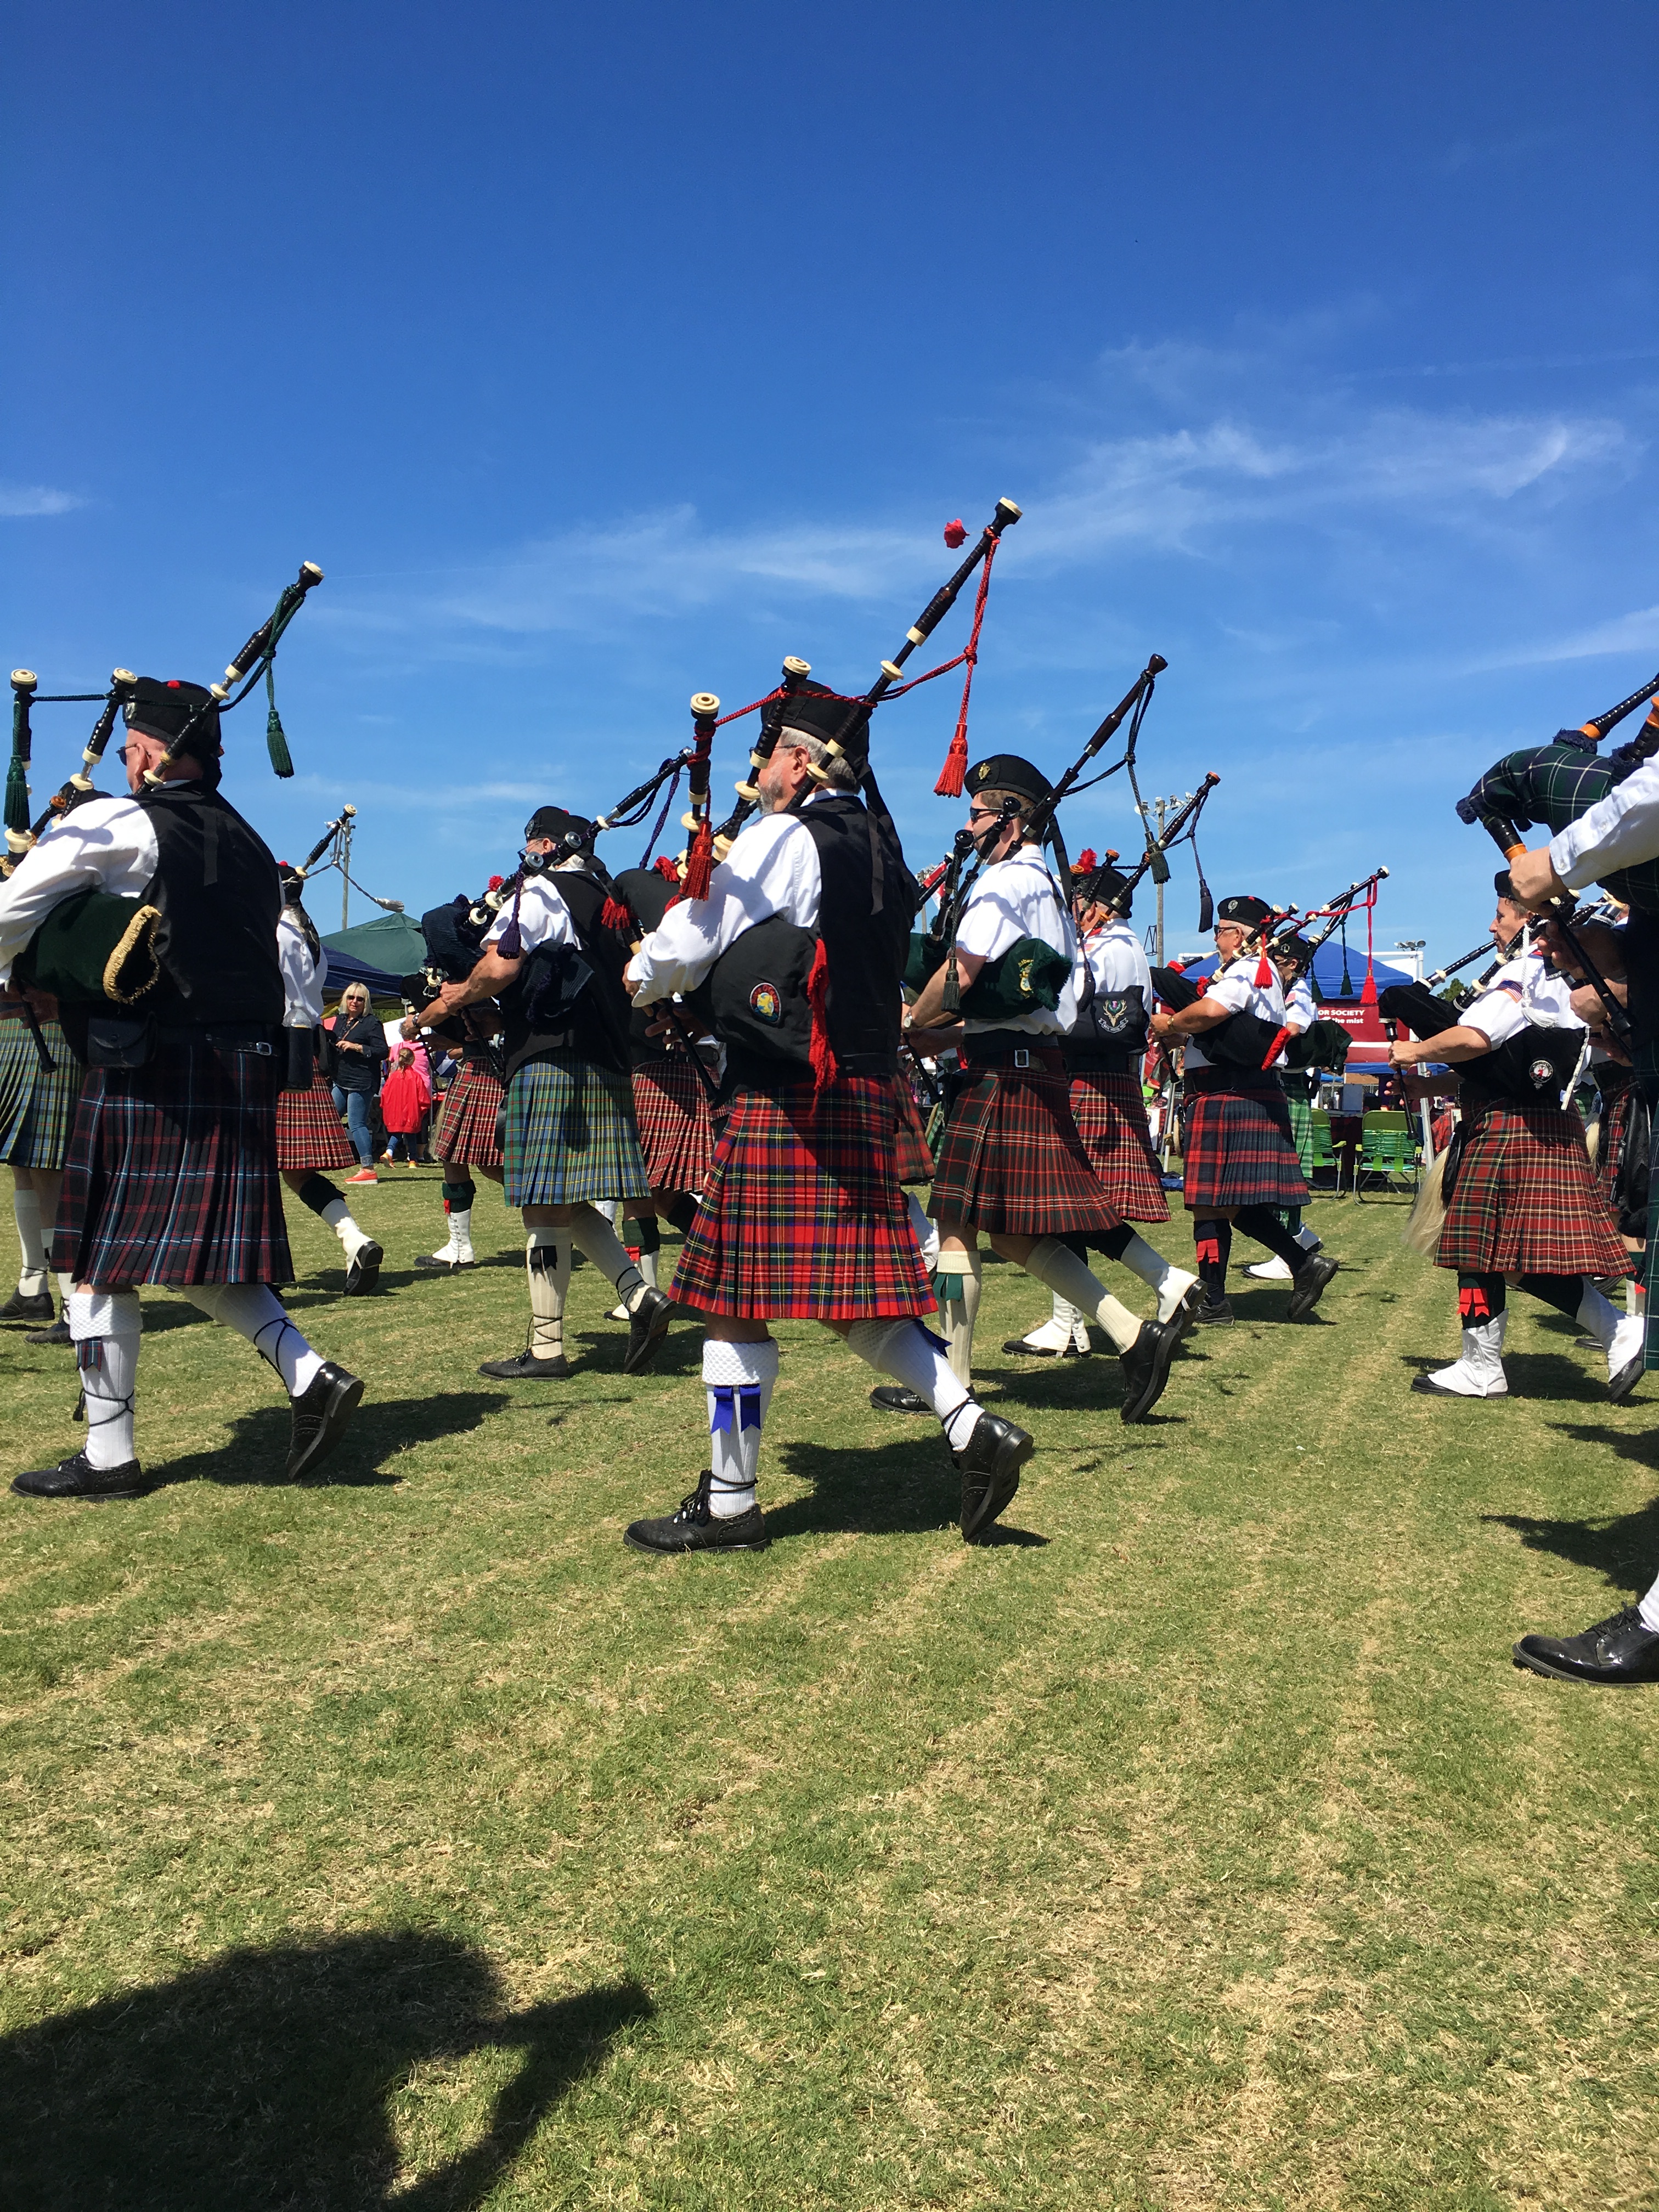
{"x": 358, "y": 1051}
{"x": 405, "y": 1101}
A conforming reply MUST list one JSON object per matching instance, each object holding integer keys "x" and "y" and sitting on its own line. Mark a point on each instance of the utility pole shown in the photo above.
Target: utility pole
{"x": 1160, "y": 804}
{"x": 343, "y": 856}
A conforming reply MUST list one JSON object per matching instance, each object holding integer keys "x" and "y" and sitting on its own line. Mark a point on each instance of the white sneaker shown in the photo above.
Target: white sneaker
{"x": 1271, "y": 1271}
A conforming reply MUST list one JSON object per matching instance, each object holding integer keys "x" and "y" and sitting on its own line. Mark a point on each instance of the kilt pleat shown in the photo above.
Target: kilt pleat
{"x": 677, "y": 1136}
{"x": 1526, "y": 1200}
{"x": 802, "y": 1216}
{"x": 1236, "y": 1150}
{"x": 1112, "y": 1119}
{"x": 466, "y": 1126}
{"x": 172, "y": 1174}
{"x": 912, "y": 1156}
{"x": 570, "y": 1134}
{"x": 309, "y": 1132}
{"x": 36, "y": 1109}
{"x": 1616, "y": 1084}
{"x": 1012, "y": 1159}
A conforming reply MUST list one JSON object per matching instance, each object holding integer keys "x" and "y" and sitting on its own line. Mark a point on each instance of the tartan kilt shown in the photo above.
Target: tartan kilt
{"x": 1617, "y": 1085}
{"x": 1112, "y": 1119}
{"x": 677, "y": 1136}
{"x": 172, "y": 1172}
{"x": 802, "y": 1216}
{"x": 466, "y": 1126}
{"x": 309, "y": 1134}
{"x": 570, "y": 1134}
{"x": 1236, "y": 1149}
{"x": 1012, "y": 1159}
{"x": 1526, "y": 1200}
{"x": 36, "y": 1109}
{"x": 1300, "y": 1110}
{"x": 912, "y": 1156}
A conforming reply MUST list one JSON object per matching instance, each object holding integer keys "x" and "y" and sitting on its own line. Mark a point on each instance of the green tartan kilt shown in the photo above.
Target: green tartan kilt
{"x": 36, "y": 1109}
{"x": 570, "y": 1136}
{"x": 1301, "y": 1134}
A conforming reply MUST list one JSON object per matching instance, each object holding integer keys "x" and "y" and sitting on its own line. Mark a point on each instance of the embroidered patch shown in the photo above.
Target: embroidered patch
{"x": 766, "y": 1003}
{"x": 1025, "y": 977}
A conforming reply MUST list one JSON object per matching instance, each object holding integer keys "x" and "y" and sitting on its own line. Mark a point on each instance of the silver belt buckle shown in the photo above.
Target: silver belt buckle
{"x": 1022, "y": 1057}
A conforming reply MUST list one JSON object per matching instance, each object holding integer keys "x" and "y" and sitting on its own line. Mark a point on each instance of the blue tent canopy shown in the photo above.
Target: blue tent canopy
{"x": 1327, "y": 972}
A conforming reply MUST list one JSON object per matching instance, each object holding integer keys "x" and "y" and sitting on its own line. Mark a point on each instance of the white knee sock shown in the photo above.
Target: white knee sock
{"x": 959, "y": 1309}
{"x": 1596, "y": 1316}
{"x": 1649, "y": 1609}
{"x": 106, "y": 1326}
{"x": 255, "y": 1311}
{"x": 1065, "y": 1273}
{"x": 904, "y": 1349}
{"x": 547, "y": 1264}
{"x": 738, "y": 1380}
{"x": 597, "y": 1241}
{"x": 338, "y": 1215}
{"x": 25, "y": 1209}
{"x": 1172, "y": 1283}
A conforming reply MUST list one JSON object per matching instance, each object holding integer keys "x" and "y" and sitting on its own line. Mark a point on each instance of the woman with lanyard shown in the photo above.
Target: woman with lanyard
{"x": 359, "y": 1049}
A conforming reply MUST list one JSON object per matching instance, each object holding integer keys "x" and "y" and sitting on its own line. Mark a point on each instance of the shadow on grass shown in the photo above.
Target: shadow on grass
{"x": 1532, "y": 1375}
{"x": 679, "y": 1353}
{"x": 1626, "y": 1549}
{"x": 267, "y": 2078}
{"x": 905, "y": 1488}
{"x": 382, "y": 1426}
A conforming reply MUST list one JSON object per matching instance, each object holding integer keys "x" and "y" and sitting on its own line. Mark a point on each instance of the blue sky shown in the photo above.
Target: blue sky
{"x": 600, "y": 356}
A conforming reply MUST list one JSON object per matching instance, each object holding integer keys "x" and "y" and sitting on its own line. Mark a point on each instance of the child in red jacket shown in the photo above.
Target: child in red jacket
{"x": 405, "y": 1101}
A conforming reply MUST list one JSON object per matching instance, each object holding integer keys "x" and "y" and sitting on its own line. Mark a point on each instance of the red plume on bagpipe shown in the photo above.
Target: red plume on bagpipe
{"x": 956, "y": 533}
{"x": 1086, "y": 861}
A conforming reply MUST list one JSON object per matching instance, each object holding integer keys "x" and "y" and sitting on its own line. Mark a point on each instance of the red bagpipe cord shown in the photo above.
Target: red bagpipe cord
{"x": 956, "y": 761}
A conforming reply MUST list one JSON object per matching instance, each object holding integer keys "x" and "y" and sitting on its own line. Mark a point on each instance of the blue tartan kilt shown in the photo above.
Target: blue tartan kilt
{"x": 570, "y": 1136}
{"x": 36, "y": 1109}
{"x": 172, "y": 1174}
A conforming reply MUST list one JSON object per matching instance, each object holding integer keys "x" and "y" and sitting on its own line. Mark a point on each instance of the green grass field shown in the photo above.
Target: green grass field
{"x": 406, "y": 1841}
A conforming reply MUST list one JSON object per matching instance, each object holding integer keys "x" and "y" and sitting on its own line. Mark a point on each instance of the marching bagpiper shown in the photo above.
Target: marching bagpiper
{"x": 1524, "y": 1202}
{"x": 1293, "y": 958}
{"x": 37, "y": 1105}
{"x": 1240, "y": 1164}
{"x": 570, "y": 1138}
{"x": 171, "y": 1175}
{"x": 802, "y": 939}
{"x": 1103, "y": 1056}
{"x": 1012, "y": 1162}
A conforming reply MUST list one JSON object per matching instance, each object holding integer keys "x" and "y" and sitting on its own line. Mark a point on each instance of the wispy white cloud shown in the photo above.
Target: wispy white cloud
{"x": 21, "y": 499}
{"x": 1638, "y": 632}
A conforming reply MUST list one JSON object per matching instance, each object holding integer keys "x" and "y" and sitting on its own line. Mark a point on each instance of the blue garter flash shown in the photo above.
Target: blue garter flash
{"x": 735, "y": 1404}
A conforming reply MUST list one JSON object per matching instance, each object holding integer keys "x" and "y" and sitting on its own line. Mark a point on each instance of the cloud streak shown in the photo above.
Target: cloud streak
{"x": 20, "y": 501}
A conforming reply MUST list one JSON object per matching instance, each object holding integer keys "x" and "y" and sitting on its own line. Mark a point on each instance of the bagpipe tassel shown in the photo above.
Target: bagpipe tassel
{"x": 666, "y": 868}
{"x": 953, "y": 774}
{"x": 1264, "y": 972}
{"x": 825, "y": 1067}
{"x": 699, "y": 862}
{"x": 613, "y": 914}
{"x": 17, "y": 795}
{"x": 277, "y": 742}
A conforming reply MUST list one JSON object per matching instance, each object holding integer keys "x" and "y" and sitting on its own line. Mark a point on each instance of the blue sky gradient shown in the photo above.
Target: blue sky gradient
{"x": 603, "y": 357}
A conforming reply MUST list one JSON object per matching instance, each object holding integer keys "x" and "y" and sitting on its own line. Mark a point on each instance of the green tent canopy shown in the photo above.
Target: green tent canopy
{"x": 379, "y": 953}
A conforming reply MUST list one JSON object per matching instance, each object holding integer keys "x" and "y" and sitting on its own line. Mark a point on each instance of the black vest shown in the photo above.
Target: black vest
{"x": 220, "y": 896}
{"x": 571, "y": 998}
{"x": 758, "y": 985}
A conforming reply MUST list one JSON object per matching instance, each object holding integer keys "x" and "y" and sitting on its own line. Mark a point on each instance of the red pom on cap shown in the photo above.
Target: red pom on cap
{"x": 495, "y": 882}
{"x": 956, "y": 533}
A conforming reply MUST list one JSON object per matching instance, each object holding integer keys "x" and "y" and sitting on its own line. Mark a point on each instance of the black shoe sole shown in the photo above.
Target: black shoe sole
{"x": 363, "y": 1273}
{"x": 761, "y": 1543}
{"x": 507, "y": 1370}
{"x": 1624, "y": 1382}
{"x": 1184, "y": 1320}
{"x": 57, "y": 1334}
{"x": 1039, "y": 1351}
{"x": 893, "y": 1398}
{"x": 639, "y": 1356}
{"x": 442, "y": 1267}
{"x": 1534, "y": 1664}
{"x": 1303, "y": 1301}
{"x": 1135, "y": 1410}
{"x": 344, "y": 1397}
{"x": 1001, "y": 1486}
{"x": 1426, "y": 1388}
{"x": 81, "y": 1497}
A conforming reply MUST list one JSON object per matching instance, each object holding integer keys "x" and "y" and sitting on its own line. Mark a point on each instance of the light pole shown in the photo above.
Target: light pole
{"x": 344, "y": 857}
{"x": 1164, "y": 807}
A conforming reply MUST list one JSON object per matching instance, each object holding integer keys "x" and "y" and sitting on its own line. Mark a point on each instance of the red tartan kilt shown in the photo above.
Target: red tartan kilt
{"x": 1615, "y": 1119}
{"x": 171, "y": 1173}
{"x": 309, "y": 1135}
{"x": 912, "y": 1161}
{"x": 1112, "y": 1119}
{"x": 1526, "y": 1200}
{"x": 802, "y": 1216}
{"x": 1237, "y": 1150}
{"x": 1012, "y": 1159}
{"x": 467, "y": 1129}
{"x": 676, "y": 1134}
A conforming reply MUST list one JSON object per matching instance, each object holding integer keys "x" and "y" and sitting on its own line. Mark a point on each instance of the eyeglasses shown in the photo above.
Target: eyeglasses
{"x": 985, "y": 814}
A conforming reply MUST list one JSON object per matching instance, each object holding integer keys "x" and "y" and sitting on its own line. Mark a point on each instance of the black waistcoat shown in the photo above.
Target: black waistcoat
{"x": 864, "y": 927}
{"x": 571, "y": 998}
{"x": 220, "y": 896}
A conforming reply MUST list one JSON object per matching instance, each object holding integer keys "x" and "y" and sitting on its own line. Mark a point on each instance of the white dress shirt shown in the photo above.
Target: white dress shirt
{"x": 1300, "y": 1011}
{"x": 1616, "y": 832}
{"x": 1235, "y": 987}
{"x": 1014, "y": 898}
{"x": 106, "y": 844}
{"x": 771, "y": 869}
{"x": 1117, "y": 961}
{"x": 303, "y": 978}
{"x": 544, "y": 917}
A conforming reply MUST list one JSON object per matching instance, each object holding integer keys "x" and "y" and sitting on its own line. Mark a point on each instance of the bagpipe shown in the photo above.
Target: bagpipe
{"x": 708, "y": 844}
{"x": 21, "y": 833}
{"x": 1246, "y": 1040}
{"x": 1556, "y": 783}
{"x": 1030, "y": 972}
{"x": 1528, "y": 1068}
{"x": 256, "y": 659}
